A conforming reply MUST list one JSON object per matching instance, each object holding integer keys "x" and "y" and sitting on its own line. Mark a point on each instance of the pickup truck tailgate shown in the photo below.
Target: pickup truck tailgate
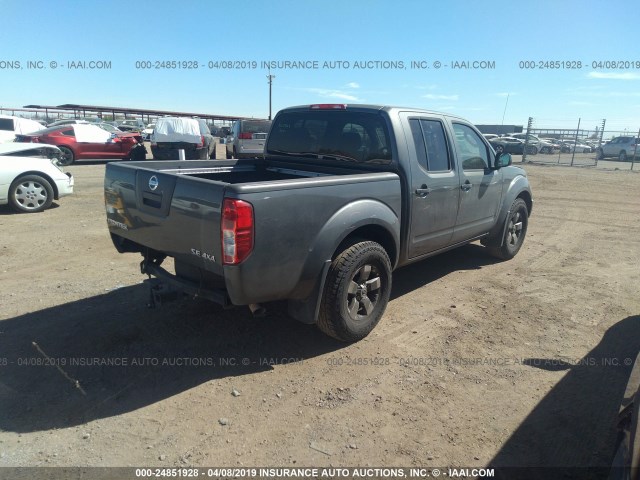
{"x": 176, "y": 214}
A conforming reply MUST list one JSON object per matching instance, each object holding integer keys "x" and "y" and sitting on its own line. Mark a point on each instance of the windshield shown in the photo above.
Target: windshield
{"x": 108, "y": 127}
{"x": 342, "y": 135}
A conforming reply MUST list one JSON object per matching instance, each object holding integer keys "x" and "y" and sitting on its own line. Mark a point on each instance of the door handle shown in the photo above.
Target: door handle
{"x": 466, "y": 186}
{"x": 423, "y": 191}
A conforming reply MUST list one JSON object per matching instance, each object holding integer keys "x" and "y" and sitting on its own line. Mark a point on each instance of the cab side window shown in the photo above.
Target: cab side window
{"x": 431, "y": 144}
{"x": 471, "y": 149}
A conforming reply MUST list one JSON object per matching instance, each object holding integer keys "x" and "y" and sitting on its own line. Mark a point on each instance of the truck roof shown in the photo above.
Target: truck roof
{"x": 370, "y": 107}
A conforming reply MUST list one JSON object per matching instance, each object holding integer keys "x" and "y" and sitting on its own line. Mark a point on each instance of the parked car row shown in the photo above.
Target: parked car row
{"x": 622, "y": 148}
{"x": 85, "y": 141}
{"x": 515, "y": 143}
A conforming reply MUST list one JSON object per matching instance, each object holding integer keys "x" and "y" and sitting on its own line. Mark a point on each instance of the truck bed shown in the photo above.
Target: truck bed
{"x": 174, "y": 208}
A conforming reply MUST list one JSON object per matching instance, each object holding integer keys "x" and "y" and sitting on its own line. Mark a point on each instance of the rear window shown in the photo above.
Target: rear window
{"x": 44, "y": 131}
{"x": 6, "y": 124}
{"x": 251, "y": 126}
{"x": 349, "y": 136}
{"x": 204, "y": 128}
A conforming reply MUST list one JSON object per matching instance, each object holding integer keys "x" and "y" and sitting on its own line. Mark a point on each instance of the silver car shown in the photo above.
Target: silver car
{"x": 621, "y": 147}
{"x": 247, "y": 138}
{"x": 536, "y": 144}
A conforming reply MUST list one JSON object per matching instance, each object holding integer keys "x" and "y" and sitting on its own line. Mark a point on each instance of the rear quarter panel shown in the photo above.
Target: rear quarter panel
{"x": 299, "y": 227}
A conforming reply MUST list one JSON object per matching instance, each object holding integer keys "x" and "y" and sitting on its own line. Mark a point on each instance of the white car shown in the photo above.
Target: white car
{"x": 30, "y": 177}
{"x": 146, "y": 133}
{"x": 10, "y": 126}
{"x": 580, "y": 148}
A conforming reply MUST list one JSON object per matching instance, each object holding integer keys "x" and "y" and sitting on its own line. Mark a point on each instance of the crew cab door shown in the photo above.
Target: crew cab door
{"x": 434, "y": 184}
{"x": 480, "y": 185}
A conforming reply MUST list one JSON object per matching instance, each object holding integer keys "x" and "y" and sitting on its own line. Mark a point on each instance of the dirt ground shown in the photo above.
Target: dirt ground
{"x": 476, "y": 362}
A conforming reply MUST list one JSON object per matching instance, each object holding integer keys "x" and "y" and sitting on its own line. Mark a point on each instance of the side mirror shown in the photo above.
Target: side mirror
{"x": 503, "y": 159}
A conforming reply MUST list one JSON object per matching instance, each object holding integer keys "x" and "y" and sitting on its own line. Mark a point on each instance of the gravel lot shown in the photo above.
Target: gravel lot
{"x": 475, "y": 362}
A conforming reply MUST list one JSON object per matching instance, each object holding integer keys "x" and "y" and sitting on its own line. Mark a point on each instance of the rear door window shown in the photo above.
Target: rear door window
{"x": 6, "y": 124}
{"x": 431, "y": 144}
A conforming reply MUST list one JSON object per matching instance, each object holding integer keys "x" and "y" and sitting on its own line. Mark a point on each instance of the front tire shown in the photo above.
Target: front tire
{"x": 515, "y": 231}
{"x": 623, "y": 156}
{"x": 356, "y": 292}
{"x": 30, "y": 194}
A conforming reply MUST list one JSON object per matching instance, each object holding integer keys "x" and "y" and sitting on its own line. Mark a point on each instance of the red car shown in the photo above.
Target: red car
{"x": 84, "y": 141}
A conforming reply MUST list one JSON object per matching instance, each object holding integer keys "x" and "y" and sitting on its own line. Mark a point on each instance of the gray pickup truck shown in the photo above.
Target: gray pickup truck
{"x": 344, "y": 195}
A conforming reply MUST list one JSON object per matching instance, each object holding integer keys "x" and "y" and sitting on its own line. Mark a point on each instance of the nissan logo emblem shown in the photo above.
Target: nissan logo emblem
{"x": 153, "y": 182}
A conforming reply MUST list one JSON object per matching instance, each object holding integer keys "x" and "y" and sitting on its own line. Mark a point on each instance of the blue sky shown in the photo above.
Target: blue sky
{"x": 503, "y": 32}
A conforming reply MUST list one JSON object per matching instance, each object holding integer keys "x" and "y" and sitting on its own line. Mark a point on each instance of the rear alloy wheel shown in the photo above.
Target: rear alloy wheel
{"x": 30, "y": 194}
{"x": 599, "y": 154}
{"x": 356, "y": 292}
{"x": 67, "y": 157}
{"x": 623, "y": 156}
{"x": 515, "y": 231}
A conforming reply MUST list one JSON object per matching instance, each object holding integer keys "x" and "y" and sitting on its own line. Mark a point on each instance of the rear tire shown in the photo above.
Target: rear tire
{"x": 30, "y": 194}
{"x": 515, "y": 231}
{"x": 138, "y": 152}
{"x": 356, "y": 292}
{"x": 68, "y": 157}
{"x": 623, "y": 156}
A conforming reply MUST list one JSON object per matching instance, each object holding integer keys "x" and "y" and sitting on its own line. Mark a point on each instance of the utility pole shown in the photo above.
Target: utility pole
{"x": 270, "y": 78}
{"x": 504, "y": 113}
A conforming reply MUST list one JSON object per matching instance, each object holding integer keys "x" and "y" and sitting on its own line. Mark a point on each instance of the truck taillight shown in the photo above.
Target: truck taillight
{"x": 236, "y": 231}
{"x": 201, "y": 141}
{"x": 245, "y": 136}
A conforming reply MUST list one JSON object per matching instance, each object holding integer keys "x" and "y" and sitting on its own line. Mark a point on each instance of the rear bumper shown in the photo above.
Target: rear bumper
{"x": 165, "y": 153}
{"x": 248, "y": 151}
{"x": 191, "y": 288}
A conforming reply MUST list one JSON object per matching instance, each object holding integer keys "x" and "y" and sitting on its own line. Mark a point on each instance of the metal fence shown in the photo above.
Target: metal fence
{"x": 580, "y": 146}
